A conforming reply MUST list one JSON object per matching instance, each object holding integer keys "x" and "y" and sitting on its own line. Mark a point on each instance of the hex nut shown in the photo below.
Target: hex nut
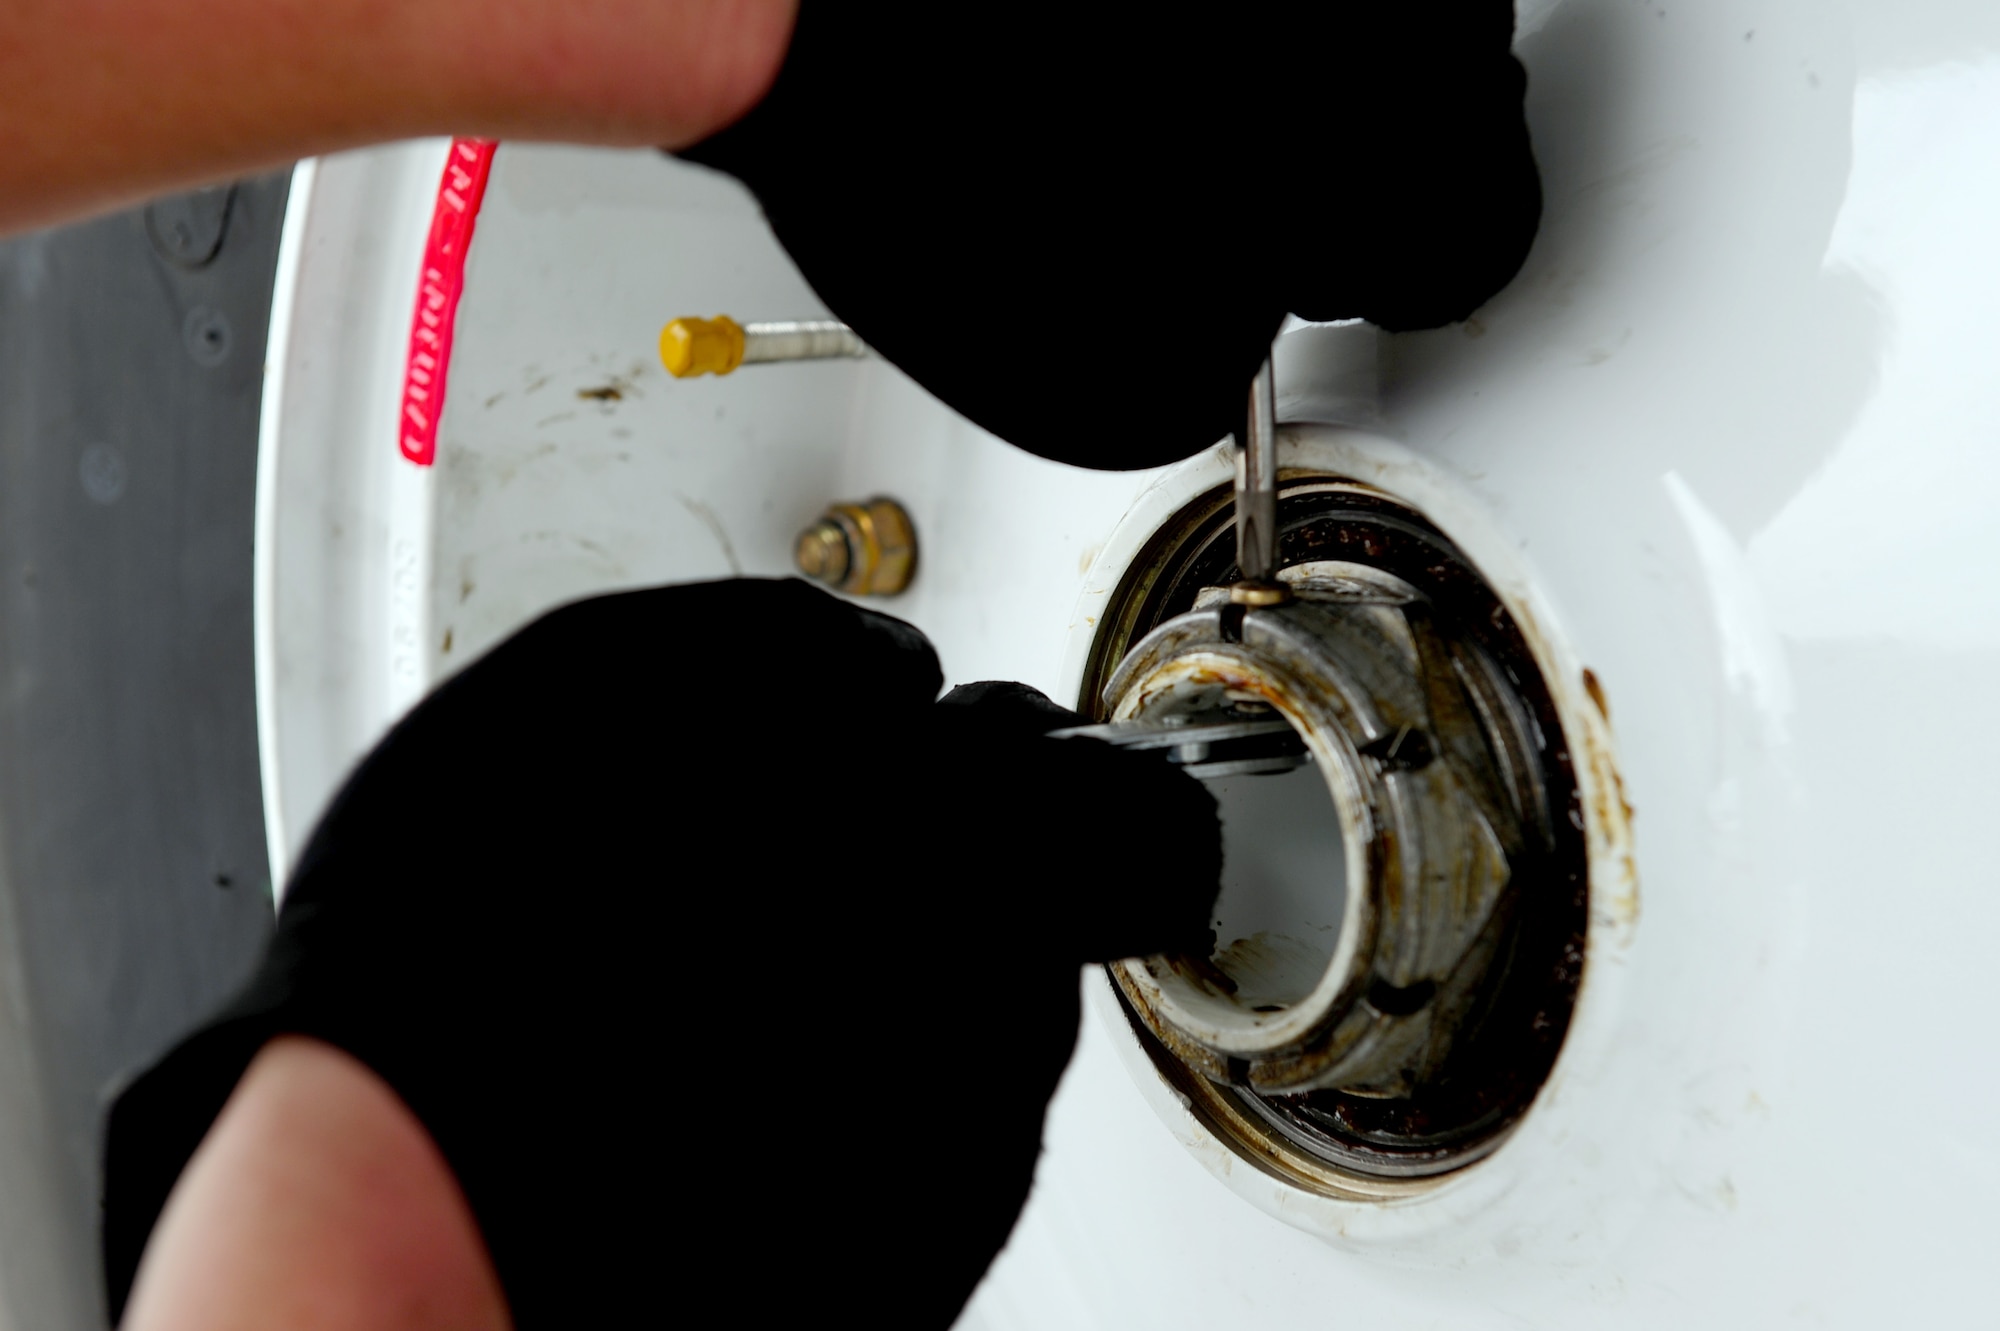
{"x": 1369, "y": 684}
{"x": 865, "y": 549}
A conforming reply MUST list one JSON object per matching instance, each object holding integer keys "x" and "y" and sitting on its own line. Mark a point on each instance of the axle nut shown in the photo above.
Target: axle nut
{"x": 1377, "y": 688}
{"x": 1397, "y": 952}
{"x": 866, "y": 549}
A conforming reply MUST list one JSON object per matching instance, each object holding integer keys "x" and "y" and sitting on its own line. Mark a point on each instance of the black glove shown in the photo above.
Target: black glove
{"x": 1081, "y": 225}
{"x": 703, "y": 941}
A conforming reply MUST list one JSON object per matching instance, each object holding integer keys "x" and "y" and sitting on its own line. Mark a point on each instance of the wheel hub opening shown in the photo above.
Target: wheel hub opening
{"x": 1280, "y": 915}
{"x": 1399, "y": 935}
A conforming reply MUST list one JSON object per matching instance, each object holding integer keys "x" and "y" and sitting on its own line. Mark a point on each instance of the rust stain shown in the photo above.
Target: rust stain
{"x": 1618, "y": 787}
{"x": 1613, "y": 814}
{"x": 1614, "y": 874}
{"x": 1595, "y": 689}
{"x": 615, "y": 389}
{"x": 1614, "y": 787}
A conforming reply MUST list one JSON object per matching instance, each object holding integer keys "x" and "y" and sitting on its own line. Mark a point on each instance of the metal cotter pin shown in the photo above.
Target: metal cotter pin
{"x": 1257, "y": 500}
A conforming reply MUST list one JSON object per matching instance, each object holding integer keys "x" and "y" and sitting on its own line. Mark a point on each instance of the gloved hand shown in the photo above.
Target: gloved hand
{"x": 702, "y": 938}
{"x": 1081, "y": 226}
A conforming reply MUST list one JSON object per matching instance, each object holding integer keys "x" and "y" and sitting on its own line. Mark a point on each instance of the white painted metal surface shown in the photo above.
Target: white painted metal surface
{"x": 1730, "y": 436}
{"x": 342, "y": 527}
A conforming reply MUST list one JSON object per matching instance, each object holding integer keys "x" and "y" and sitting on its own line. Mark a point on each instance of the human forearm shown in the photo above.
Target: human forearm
{"x": 106, "y": 101}
{"x": 317, "y": 1202}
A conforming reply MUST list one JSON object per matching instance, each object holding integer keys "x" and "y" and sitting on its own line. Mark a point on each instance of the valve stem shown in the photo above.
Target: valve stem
{"x": 690, "y": 346}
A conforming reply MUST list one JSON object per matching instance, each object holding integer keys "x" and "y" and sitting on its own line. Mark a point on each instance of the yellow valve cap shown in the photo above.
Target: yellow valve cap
{"x": 691, "y": 346}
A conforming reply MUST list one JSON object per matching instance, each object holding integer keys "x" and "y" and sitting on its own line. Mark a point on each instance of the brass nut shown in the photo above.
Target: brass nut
{"x": 1257, "y": 595}
{"x": 822, "y": 553}
{"x": 865, "y": 549}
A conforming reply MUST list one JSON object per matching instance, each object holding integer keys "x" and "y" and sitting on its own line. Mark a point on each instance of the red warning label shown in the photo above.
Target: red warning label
{"x": 443, "y": 281}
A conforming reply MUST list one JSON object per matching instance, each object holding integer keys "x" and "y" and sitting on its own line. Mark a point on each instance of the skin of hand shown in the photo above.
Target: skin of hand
{"x": 105, "y": 102}
{"x": 316, "y": 1203}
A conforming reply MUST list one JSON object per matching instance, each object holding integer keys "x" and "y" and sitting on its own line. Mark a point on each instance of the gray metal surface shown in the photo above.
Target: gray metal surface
{"x": 1222, "y": 744}
{"x": 133, "y": 887}
{"x": 1257, "y": 484}
{"x": 800, "y": 339}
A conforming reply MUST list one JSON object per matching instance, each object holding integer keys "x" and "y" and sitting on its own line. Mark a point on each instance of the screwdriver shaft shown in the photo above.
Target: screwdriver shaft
{"x": 1257, "y": 483}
